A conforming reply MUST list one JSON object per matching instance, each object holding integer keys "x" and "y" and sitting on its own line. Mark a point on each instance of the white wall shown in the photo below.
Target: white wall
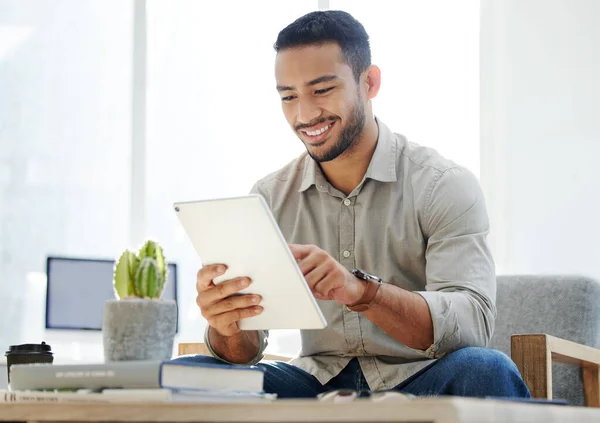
{"x": 540, "y": 147}
{"x": 428, "y": 52}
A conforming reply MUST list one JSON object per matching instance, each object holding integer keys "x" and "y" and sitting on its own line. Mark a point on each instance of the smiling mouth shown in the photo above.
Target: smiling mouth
{"x": 316, "y": 137}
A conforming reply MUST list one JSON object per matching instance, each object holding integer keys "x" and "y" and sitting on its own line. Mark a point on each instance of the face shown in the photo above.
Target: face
{"x": 321, "y": 99}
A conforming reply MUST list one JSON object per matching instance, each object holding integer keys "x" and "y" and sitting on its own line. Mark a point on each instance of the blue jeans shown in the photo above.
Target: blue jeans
{"x": 469, "y": 372}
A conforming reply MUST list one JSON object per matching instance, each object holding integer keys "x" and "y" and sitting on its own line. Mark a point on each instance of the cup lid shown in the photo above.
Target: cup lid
{"x": 29, "y": 348}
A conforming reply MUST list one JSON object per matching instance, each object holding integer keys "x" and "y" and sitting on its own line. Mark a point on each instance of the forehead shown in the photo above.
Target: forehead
{"x": 299, "y": 65}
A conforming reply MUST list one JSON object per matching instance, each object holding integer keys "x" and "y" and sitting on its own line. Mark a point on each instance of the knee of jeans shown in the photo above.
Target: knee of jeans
{"x": 482, "y": 360}
{"x": 203, "y": 359}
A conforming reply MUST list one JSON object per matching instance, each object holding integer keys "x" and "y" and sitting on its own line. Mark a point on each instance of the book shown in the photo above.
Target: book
{"x": 137, "y": 375}
{"x": 108, "y": 396}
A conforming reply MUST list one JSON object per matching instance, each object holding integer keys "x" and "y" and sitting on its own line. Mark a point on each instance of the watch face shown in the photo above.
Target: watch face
{"x": 361, "y": 274}
{"x": 358, "y": 273}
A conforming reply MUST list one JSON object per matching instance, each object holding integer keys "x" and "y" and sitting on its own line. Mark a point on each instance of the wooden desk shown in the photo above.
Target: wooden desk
{"x": 432, "y": 410}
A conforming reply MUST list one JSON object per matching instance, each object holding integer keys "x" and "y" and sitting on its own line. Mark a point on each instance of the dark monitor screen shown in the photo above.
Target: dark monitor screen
{"x": 78, "y": 289}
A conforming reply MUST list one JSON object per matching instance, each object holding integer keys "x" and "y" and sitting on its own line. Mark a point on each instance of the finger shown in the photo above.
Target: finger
{"x": 233, "y": 316}
{"x": 316, "y": 274}
{"x": 233, "y": 302}
{"x": 310, "y": 263}
{"x": 223, "y": 290}
{"x": 300, "y": 251}
{"x": 205, "y": 276}
{"x": 325, "y": 286}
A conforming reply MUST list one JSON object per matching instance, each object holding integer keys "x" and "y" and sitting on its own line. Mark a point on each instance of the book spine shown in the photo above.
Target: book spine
{"x": 111, "y": 375}
{"x": 52, "y": 397}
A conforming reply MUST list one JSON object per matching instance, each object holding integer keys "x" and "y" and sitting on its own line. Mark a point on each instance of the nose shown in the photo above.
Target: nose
{"x": 307, "y": 111}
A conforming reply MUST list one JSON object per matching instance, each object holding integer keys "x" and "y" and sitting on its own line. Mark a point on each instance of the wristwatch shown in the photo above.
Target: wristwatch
{"x": 373, "y": 284}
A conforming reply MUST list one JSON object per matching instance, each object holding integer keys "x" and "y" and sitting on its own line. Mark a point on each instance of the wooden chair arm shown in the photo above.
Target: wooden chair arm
{"x": 186, "y": 348}
{"x": 534, "y": 353}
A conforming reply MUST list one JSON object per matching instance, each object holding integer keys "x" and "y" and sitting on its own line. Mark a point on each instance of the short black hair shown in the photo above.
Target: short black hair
{"x": 330, "y": 25}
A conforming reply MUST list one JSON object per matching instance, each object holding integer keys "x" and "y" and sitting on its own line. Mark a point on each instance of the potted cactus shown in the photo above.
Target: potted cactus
{"x": 138, "y": 324}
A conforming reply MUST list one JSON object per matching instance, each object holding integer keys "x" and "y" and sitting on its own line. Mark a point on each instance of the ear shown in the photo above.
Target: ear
{"x": 372, "y": 81}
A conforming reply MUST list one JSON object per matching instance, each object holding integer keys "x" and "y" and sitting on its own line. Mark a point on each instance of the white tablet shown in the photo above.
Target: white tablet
{"x": 242, "y": 233}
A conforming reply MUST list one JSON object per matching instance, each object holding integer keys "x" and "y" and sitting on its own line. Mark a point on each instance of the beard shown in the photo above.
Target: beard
{"x": 348, "y": 137}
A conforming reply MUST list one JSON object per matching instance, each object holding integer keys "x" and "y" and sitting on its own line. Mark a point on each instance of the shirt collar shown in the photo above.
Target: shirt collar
{"x": 383, "y": 163}
{"x": 382, "y": 167}
{"x": 312, "y": 175}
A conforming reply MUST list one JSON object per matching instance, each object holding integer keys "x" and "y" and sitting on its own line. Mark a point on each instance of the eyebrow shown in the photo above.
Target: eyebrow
{"x": 316, "y": 81}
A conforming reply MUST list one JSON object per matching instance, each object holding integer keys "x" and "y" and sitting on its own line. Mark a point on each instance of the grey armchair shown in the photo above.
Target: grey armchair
{"x": 550, "y": 327}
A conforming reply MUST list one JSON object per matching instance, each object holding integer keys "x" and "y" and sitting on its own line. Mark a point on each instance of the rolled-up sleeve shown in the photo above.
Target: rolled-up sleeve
{"x": 461, "y": 280}
{"x": 262, "y": 345}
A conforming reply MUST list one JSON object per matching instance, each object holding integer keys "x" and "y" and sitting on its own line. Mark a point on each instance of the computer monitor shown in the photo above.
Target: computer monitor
{"x": 77, "y": 289}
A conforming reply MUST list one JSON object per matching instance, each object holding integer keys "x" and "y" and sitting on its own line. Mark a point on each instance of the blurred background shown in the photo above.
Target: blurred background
{"x": 112, "y": 110}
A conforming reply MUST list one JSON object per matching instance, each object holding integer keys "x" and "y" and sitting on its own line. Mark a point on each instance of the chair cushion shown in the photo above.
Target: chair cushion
{"x": 567, "y": 307}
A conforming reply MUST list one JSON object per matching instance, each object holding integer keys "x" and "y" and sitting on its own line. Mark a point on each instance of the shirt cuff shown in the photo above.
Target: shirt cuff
{"x": 445, "y": 325}
{"x": 262, "y": 345}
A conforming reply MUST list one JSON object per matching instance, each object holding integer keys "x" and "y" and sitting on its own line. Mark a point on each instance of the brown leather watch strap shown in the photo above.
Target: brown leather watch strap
{"x": 368, "y": 296}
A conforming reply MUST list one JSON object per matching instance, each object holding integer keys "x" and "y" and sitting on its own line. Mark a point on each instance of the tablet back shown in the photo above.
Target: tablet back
{"x": 242, "y": 233}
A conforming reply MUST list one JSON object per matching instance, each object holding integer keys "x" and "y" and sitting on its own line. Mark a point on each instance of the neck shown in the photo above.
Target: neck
{"x": 348, "y": 170}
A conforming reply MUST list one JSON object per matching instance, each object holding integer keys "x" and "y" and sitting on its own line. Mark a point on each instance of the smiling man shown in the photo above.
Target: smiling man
{"x": 391, "y": 238}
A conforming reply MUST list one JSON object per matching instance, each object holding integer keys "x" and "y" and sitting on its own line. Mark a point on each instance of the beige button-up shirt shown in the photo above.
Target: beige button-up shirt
{"x": 418, "y": 221}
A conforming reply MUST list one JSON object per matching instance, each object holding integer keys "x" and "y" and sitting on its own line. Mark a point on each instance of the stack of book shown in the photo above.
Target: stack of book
{"x": 135, "y": 381}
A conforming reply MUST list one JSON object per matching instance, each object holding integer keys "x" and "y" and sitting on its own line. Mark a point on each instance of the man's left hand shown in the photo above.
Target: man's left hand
{"x": 327, "y": 278}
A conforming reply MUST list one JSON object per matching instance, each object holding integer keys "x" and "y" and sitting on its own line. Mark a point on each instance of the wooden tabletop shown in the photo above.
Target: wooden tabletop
{"x": 434, "y": 410}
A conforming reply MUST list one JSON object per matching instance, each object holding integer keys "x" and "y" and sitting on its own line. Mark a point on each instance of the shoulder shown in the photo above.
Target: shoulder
{"x": 429, "y": 171}
{"x": 287, "y": 178}
{"x": 418, "y": 157}
{"x": 443, "y": 189}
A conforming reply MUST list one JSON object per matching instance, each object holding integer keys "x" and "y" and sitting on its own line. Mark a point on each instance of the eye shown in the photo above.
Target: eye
{"x": 324, "y": 90}
{"x": 288, "y": 98}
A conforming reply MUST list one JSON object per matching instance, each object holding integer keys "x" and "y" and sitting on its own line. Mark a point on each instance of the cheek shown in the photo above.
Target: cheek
{"x": 337, "y": 106}
{"x": 288, "y": 113}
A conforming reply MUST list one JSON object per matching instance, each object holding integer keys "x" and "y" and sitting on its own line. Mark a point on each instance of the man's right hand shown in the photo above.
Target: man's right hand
{"x": 220, "y": 304}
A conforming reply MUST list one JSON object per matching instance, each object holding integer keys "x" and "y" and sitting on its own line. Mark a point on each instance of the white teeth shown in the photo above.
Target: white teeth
{"x": 318, "y": 131}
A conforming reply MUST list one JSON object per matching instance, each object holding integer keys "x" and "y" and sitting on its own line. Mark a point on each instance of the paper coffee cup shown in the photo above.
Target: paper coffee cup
{"x": 26, "y": 354}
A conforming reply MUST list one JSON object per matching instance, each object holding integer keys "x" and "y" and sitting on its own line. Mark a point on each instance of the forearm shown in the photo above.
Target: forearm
{"x": 241, "y": 348}
{"x": 403, "y": 315}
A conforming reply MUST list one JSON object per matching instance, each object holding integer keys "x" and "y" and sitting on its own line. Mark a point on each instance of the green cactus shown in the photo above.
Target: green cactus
{"x": 148, "y": 249}
{"x": 148, "y": 279}
{"x": 160, "y": 260}
{"x": 154, "y": 250}
{"x": 134, "y": 262}
{"x": 143, "y": 275}
{"x": 125, "y": 269}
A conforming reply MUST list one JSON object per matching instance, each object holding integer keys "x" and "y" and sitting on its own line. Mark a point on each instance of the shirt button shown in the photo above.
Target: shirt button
{"x": 346, "y": 253}
{"x": 347, "y": 202}
{"x": 360, "y": 351}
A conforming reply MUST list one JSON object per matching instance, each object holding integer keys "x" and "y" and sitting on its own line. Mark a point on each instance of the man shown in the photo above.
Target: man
{"x": 363, "y": 205}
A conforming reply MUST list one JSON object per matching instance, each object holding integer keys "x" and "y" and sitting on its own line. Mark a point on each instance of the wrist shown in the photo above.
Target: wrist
{"x": 360, "y": 287}
{"x": 370, "y": 290}
{"x": 233, "y": 340}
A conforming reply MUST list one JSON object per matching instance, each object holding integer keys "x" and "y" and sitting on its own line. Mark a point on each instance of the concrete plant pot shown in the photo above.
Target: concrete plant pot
{"x": 139, "y": 329}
